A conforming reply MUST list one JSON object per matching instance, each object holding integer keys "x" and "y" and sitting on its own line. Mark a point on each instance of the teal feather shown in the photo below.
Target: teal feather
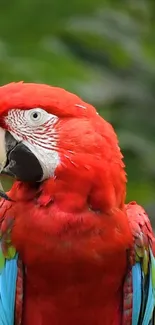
{"x": 8, "y": 277}
{"x": 143, "y": 292}
{"x": 150, "y": 303}
{"x": 137, "y": 293}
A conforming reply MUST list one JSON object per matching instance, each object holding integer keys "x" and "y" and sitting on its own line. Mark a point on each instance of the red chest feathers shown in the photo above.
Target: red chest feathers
{"x": 68, "y": 245}
{"x": 74, "y": 261}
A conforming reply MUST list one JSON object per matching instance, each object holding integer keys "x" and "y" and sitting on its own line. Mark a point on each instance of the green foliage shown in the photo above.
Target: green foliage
{"x": 102, "y": 50}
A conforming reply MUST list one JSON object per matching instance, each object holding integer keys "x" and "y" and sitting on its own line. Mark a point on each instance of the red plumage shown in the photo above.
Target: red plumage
{"x": 75, "y": 262}
{"x": 72, "y": 230}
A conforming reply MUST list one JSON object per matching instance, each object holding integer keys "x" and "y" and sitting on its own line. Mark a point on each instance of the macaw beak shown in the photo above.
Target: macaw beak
{"x": 17, "y": 160}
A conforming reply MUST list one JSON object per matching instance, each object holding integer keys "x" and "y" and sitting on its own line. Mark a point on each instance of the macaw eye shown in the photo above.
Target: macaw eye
{"x": 35, "y": 116}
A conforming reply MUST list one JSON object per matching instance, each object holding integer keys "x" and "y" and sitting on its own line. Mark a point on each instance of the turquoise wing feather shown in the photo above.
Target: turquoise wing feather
{"x": 139, "y": 285}
{"x": 137, "y": 293}
{"x": 8, "y": 278}
{"x": 144, "y": 302}
{"x": 8, "y": 274}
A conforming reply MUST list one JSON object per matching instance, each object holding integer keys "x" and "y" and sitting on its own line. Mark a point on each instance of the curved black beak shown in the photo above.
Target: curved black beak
{"x": 18, "y": 161}
{"x": 21, "y": 161}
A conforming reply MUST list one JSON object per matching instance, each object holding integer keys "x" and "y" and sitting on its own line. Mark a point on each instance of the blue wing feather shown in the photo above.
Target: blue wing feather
{"x": 11, "y": 275}
{"x": 137, "y": 292}
{"x": 8, "y": 278}
{"x": 143, "y": 293}
{"x": 139, "y": 285}
{"x": 151, "y": 292}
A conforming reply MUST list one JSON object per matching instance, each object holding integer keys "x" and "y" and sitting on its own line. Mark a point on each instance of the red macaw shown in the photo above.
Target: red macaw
{"x": 71, "y": 251}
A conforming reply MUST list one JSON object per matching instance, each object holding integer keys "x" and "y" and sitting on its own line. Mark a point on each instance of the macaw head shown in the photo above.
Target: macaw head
{"x": 47, "y": 132}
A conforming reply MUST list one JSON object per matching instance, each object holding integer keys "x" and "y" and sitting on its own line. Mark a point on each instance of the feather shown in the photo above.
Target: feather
{"x": 8, "y": 273}
{"x": 8, "y": 279}
{"x": 150, "y": 303}
{"x": 137, "y": 294}
{"x": 143, "y": 266}
{"x": 2, "y": 259}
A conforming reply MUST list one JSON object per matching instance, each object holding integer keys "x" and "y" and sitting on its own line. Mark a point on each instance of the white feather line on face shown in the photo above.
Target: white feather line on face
{"x": 39, "y": 136}
{"x": 48, "y": 158}
{"x": 81, "y": 106}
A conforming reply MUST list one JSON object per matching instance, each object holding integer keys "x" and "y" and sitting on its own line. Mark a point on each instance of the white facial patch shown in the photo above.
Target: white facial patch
{"x": 3, "y": 157}
{"x": 48, "y": 158}
{"x": 36, "y": 129}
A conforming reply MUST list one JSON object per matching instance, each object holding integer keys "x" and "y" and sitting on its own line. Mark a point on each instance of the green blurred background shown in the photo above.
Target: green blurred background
{"x": 102, "y": 50}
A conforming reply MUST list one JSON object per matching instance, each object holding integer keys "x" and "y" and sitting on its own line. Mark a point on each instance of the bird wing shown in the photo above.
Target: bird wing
{"x": 11, "y": 271}
{"x": 139, "y": 285}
